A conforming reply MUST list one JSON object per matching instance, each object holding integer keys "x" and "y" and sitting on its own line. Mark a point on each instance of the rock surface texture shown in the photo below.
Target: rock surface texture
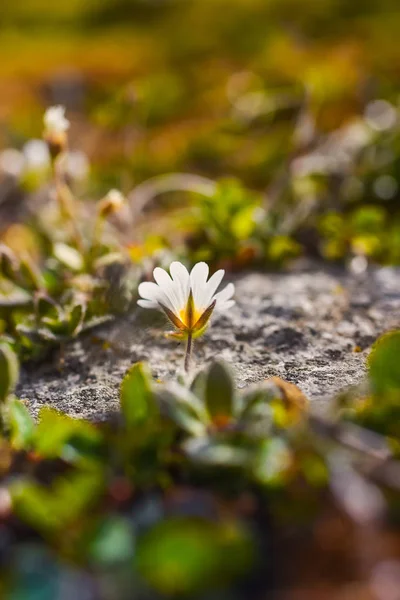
{"x": 313, "y": 327}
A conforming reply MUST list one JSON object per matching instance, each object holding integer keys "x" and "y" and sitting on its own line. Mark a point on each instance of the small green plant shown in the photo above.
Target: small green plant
{"x": 9, "y": 373}
{"x": 15, "y": 421}
{"x": 223, "y": 425}
{"x": 378, "y": 407}
{"x": 55, "y": 282}
{"x": 176, "y": 495}
{"x": 365, "y": 231}
{"x": 233, "y": 227}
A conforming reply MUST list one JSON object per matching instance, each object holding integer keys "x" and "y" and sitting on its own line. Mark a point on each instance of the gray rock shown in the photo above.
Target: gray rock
{"x": 312, "y": 327}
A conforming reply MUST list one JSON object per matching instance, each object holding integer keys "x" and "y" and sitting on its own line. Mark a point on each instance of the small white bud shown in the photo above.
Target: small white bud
{"x": 116, "y": 197}
{"x": 112, "y": 202}
{"x": 55, "y": 121}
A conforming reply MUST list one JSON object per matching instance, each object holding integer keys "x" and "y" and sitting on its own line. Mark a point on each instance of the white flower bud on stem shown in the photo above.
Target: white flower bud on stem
{"x": 56, "y": 126}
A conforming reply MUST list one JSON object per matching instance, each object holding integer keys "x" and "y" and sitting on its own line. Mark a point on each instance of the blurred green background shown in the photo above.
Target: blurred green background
{"x": 177, "y": 84}
{"x": 298, "y": 100}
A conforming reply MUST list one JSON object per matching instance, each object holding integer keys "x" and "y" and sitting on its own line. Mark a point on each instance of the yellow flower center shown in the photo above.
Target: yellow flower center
{"x": 183, "y": 315}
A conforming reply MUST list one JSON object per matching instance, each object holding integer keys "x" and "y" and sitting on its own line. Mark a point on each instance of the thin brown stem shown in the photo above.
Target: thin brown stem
{"x": 188, "y": 355}
{"x": 66, "y": 202}
{"x": 96, "y": 239}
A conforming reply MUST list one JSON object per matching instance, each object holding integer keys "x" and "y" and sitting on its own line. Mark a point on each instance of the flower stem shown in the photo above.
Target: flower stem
{"x": 66, "y": 202}
{"x": 96, "y": 238}
{"x": 188, "y": 355}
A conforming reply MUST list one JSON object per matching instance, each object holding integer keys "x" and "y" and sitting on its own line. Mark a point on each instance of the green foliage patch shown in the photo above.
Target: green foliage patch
{"x": 174, "y": 498}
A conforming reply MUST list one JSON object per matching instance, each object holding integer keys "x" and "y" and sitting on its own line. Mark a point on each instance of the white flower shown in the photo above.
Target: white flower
{"x": 37, "y": 155}
{"x": 12, "y": 162}
{"x": 55, "y": 121}
{"x": 187, "y": 299}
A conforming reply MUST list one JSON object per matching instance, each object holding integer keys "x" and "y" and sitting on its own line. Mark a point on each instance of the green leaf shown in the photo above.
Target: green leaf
{"x": 9, "y": 262}
{"x": 178, "y": 556}
{"x": 368, "y": 219}
{"x": 273, "y": 462}
{"x": 281, "y": 248}
{"x": 198, "y": 385}
{"x": 55, "y": 430}
{"x": 112, "y": 542}
{"x": 185, "y": 409}
{"x": 185, "y": 421}
{"x": 207, "y": 451}
{"x": 76, "y": 317}
{"x": 178, "y": 394}
{"x": 243, "y": 223}
{"x": 31, "y": 273}
{"x": 9, "y": 371}
{"x": 13, "y": 296}
{"x": 49, "y": 510}
{"x": 54, "y": 329}
{"x": 68, "y": 256}
{"x": 138, "y": 403}
{"x": 22, "y": 425}
{"x": 33, "y": 504}
{"x": 257, "y": 397}
{"x": 219, "y": 391}
{"x": 183, "y": 556}
{"x": 257, "y": 412}
{"x": 47, "y": 307}
{"x": 384, "y": 365}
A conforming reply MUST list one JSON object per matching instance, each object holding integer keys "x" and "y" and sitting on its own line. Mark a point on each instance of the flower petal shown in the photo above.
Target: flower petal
{"x": 225, "y": 294}
{"x": 151, "y": 291}
{"x": 148, "y": 303}
{"x": 198, "y": 280}
{"x": 211, "y": 287}
{"x": 181, "y": 278}
{"x": 168, "y": 287}
{"x": 222, "y": 306}
{"x": 148, "y": 290}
